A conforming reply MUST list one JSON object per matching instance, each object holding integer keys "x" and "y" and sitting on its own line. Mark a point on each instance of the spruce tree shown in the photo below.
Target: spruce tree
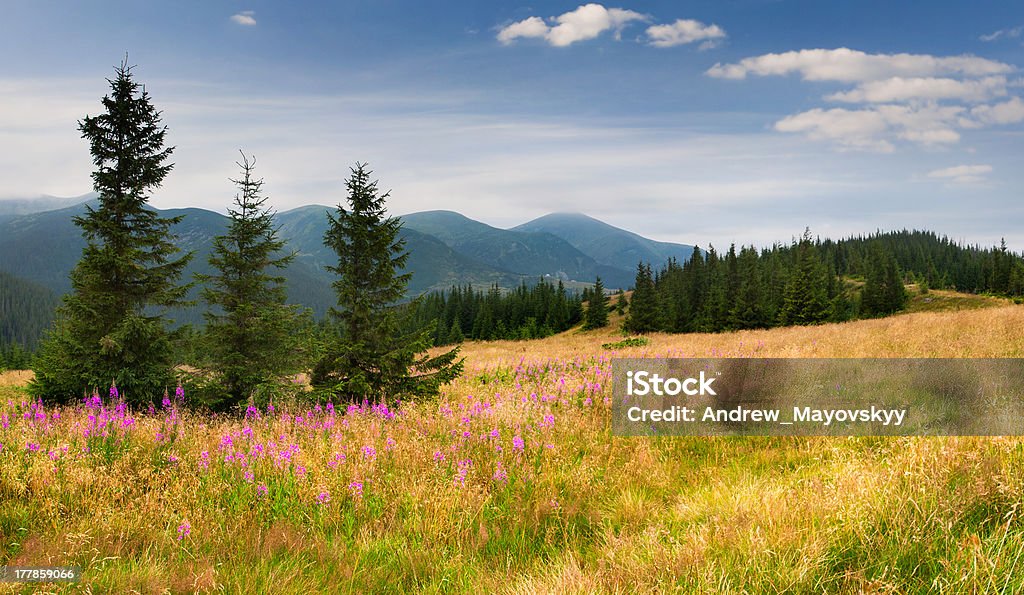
{"x": 883, "y": 291}
{"x": 806, "y": 298}
{"x": 368, "y": 358}
{"x": 112, "y": 326}
{"x": 597, "y": 308}
{"x": 644, "y": 315}
{"x": 250, "y": 335}
{"x": 621, "y": 303}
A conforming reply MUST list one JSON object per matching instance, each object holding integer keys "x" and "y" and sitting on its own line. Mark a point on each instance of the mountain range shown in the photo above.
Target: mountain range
{"x": 446, "y": 248}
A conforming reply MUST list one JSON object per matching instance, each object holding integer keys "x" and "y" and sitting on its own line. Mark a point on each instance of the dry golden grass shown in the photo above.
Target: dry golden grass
{"x": 581, "y": 511}
{"x": 989, "y": 332}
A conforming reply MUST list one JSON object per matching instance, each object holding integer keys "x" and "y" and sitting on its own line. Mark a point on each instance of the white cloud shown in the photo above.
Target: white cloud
{"x": 1003, "y": 34}
{"x": 962, "y": 174}
{"x": 1008, "y": 112}
{"x": 531, "y": 27}
{"x": 586, "y": 22}
{"x": 246, "y": 18}
{"x": 685, "y": 31}
{"x": 853, "y": 66}
{"x": 874, "y": 128}
{"x": 917, "y": 98}
{"x": 899, "y": 89}
{"x": 853, "y": 129}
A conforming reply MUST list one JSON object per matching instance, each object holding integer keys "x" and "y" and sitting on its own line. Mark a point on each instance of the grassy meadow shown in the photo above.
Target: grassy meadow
{"x": 511, "y": 482}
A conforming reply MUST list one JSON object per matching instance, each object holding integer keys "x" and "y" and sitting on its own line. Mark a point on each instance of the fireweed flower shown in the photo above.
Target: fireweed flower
{"x": 518, "y": 444}
{"x": 262, "y": 490}
{"x": 113, "y": 391}
{"x": 32, "y": 446}
{"x": 184, "y": 529}
{"x": 389, "y": 443}
{"x": 438, "y": 456}
{"x": 323, "y": 497}
{"x": 460, "y": 477}
{"x": 499, "y": 473}
{"x": 370, "y": 453}
{"x": 357, "y": 488}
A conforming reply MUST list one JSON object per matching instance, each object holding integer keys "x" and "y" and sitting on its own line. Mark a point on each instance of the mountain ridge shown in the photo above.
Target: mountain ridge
{"x": 446, "y": 248}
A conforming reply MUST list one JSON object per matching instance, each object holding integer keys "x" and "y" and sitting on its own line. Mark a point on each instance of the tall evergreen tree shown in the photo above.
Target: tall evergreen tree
{"x": 643, "y": 314}
{"x": 597, "y": 307}
{"x": 249, "y": 330}
{"x": 806, "y": 296}
{"x": 621, "y": 303}
{"x": 368, "y": 357}
{"x": 112, "y": 326}
{"x": 883, "y": 291}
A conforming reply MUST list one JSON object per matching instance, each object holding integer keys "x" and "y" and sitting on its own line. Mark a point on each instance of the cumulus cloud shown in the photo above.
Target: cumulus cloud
{"x": 875, "y": 128}
{"x": 916, "y": 98}
{"x": 1003, "y": 34}
{"x": 1008, "y": 112}
{"x": 246, "y": 18}
{"x": 853, "y": 66}
{"x": 854, "y": 129}
{"x": 685, "y": 31}
{"x": 531, "y": 27}
{"x": 586, "y": 22}
{"x": 898, "y": 89}
{"x": 962, "y": 174}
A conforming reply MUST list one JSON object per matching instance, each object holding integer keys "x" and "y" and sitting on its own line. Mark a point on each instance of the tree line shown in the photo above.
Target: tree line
{"x": 521, "y": 313}
{"x": 812, "y": 281}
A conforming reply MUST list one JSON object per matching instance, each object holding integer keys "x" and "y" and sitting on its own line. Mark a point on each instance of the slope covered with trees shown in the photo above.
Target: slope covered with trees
{"x": 813, "y": 281}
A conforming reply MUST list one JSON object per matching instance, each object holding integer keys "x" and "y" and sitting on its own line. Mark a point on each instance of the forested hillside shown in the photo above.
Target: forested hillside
{"x": 26, "y": 310}
{"x": 813, "y": 281}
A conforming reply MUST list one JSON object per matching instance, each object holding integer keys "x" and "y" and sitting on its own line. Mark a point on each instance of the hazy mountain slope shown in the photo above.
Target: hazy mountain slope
{"x": 26, "y": 309}
{"x": 10, "y": 207}
{"x": 433, "y": 264}
{"x": 531, "y": 253}
{"x": 606, "y": 243}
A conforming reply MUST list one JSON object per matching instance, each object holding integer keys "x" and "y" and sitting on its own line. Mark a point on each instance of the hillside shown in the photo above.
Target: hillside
{"x": 535, "y": 254}
{"x": 12, "y": 207}
{"x": 433, "y": 264}
{"x": 526, "y": 485}
{"x": 605, "y": 243}
{"x": 26, "y": 310}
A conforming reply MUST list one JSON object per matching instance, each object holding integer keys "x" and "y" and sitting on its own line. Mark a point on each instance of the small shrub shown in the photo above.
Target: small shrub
{"x": 630, "y": 342}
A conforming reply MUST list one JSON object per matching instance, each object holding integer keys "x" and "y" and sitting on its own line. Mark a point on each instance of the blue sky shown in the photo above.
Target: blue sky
{"x": 709, "y": 122}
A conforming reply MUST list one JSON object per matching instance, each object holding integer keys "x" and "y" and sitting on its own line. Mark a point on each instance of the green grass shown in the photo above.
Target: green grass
{"x": 948, "y": 301}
